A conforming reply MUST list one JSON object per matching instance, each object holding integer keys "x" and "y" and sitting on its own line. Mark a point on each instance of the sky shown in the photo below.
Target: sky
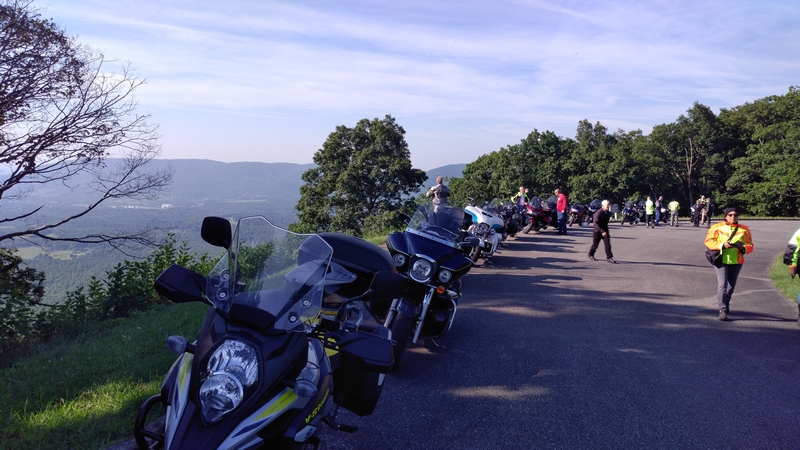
{"x": 268, "y": 81}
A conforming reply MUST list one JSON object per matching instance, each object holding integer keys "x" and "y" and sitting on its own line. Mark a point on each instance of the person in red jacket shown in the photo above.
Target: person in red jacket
{"x": 561, "y": 209}
{"x": 734, "y": 241}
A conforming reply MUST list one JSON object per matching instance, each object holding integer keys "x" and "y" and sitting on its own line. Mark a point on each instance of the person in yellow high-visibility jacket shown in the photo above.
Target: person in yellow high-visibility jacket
{"x": 734, "y": 240}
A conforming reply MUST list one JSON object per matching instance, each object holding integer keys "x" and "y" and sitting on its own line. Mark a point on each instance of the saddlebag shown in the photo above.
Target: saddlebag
{"x": 363, "y": 360}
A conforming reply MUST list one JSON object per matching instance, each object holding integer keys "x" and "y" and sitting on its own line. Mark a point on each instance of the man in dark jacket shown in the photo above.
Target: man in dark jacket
{"x": 600, "y": 232}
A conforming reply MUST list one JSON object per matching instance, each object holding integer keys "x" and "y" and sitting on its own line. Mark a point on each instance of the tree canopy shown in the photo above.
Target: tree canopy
{"x": 363, "y": 176}
{"x": 745, "y": 156}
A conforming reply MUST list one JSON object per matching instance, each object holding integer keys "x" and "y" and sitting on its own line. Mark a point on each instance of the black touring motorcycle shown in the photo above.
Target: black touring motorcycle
{"x": 432, "y": 254}
{"x": 282, "y": 345}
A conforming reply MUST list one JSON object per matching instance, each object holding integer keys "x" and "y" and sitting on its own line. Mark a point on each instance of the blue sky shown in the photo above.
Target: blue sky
{"x": 270, "y": 80}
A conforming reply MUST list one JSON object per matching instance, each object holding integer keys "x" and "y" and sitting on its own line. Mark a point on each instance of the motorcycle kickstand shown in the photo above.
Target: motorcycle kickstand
{"x": 436, "y": 344}
{"x": 333, "y": 422}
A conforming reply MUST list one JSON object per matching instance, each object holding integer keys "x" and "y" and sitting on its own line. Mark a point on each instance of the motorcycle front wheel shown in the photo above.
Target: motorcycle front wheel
{"x": 572, "y": 221}
{"x": 475, "y": 253}
{"x": 401, "y": 329}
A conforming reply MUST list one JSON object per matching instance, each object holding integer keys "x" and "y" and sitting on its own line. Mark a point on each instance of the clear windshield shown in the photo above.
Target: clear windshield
{"x": 272, "y": 269}
{"x": 495, "y": 206}
{"x": 443, "y": 221}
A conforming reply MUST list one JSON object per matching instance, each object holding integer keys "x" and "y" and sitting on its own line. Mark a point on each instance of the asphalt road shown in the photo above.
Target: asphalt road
{"x": 551, "y": 350}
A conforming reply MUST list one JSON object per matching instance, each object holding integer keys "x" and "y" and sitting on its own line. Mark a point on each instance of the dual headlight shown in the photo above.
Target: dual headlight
{"x": 422, "y": 269}
{"x": 231, "y": 371}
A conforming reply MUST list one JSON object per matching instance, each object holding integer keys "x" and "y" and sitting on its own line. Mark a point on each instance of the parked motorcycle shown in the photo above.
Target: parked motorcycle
{"x": 578, "y": 212}
{"x": 268, "y": 368}
{"x": 431, "y": 254}
{"x": 539, "y": 217}
{"x": 511, "y": 219}
{"x": 630, "y": 213}
{"x": 593, "y": 207}
{"x": 488, "y": 226}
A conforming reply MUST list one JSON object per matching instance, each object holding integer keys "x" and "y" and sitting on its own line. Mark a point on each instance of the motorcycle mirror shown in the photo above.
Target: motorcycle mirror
{"x": 404, "y": 217}
{"x": 217, "y": 232}
{"x": 386, "y": 283}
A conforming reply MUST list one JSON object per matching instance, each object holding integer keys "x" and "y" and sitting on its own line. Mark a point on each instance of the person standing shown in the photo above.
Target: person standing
{"x": 600, "y": 232}
{"x": 521, "y": 198}
{"x": 649, "y": 210}
{"x": 795, "y": 240}
{"x": 674, "y": 207}
{"x": 659, "y": 205}
{"x": 561, "y": 209}
{"x": 709, "y": 211}
{"x": 696, "y": 211}
{"x": 439, "y": 193}
{"x": 734, "y": 241}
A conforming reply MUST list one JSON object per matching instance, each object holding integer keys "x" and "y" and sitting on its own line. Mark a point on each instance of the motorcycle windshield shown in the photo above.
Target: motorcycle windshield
{"x": 271, "y": 269}
{"x": 535, "y": 201}
{"x": 495, "y": 206}
{"x": 442, "y": 222}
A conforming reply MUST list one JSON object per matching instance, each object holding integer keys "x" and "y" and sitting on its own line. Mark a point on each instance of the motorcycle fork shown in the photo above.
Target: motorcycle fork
{"x": 426, "y": 303}
{"x": 391, "y": 313}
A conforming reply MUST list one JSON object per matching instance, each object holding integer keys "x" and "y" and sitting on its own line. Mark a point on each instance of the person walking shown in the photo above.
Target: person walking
{"x": 649, "y": 210}
{"x": 795, "y": 240}
{"x": 561, "y": 209}
{"x": 734, "y": 240}
{"x": 439, "y": 193}
{"x": 600, "y": 232}
{"x": 674, "y": 207}
{"x": 659, "y": 206}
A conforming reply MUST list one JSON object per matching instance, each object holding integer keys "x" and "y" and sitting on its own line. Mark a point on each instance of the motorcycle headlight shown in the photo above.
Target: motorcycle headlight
{"x": 422, "y": 270}
{"x": 445, "y": 276}
{"x": 483, "y": 227}
{"x": 231, "y": 371}
{"x": 399, "y": 260}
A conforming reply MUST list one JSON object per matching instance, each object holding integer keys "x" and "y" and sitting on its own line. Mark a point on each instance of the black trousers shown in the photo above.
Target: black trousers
{"x": 596, "y": 238}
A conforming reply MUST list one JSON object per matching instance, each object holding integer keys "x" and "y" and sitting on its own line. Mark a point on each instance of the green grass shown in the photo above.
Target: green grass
{"x": 779, "y": 274}
{"x": 86, "y": 393}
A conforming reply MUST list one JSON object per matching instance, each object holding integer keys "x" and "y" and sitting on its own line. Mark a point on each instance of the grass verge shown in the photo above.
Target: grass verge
{"x": 86, "y": 393}
{"x": 779, "y": 274}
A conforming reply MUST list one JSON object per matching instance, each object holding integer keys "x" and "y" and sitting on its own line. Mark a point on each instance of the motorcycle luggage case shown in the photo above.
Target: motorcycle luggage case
{"x": 358, "y": 378}
{"x": 359, "y": 256}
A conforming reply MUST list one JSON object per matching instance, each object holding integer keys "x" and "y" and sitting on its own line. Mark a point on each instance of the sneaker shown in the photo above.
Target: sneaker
{"x": 611, "y": 260}
{"x": 592, "y": 258}
{"x": 723, "y": 315}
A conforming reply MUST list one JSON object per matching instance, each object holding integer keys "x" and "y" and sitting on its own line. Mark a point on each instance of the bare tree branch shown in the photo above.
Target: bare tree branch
{"x": 63, "y": 118}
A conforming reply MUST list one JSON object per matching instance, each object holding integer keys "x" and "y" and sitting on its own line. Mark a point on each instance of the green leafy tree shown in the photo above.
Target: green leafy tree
{"x": 765, "y": 178}
{"x": 21, "y": 290}
{"x": 363, "y": 175}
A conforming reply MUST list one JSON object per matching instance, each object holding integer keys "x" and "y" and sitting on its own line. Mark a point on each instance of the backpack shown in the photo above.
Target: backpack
{"x": 788, "y": 254}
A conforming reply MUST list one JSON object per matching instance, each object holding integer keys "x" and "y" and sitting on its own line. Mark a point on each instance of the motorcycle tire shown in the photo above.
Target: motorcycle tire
{"x": 401, "y": 331}
{"x": 475, "y": 253}
{"x": 572, "y": 221}
{"x": 528, "y": 227}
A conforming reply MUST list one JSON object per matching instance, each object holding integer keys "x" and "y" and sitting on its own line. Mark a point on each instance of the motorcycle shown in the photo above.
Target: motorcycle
{"x": 630, "y": 213}
{"x": 511, "y": 219}
{"x": 282, "y": 345}
{"x": 577, "y": 212}
{"x": 594, "y": 206}
{"x": 431, "y": 254}
{"x": 488, "y": 226}
{"x": 539, "y": 217}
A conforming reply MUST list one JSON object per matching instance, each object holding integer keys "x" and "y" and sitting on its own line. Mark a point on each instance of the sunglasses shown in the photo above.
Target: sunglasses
{"x": 733, "y": 215}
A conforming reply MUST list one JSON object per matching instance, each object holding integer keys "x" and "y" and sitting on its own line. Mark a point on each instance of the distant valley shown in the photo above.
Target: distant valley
{"x": 200, "y": 188}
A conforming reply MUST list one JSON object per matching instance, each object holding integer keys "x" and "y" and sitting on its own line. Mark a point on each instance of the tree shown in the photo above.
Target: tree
{"x": 766, "y": 176}
{"x": 62, "y": 120}
{"x": 363, "y": 177}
